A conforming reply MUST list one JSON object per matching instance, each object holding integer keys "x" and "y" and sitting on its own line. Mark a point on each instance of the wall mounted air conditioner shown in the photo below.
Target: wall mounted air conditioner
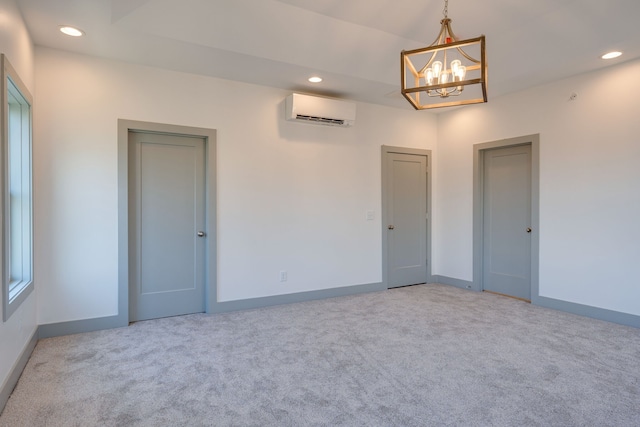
{"x": 318, "y": 110}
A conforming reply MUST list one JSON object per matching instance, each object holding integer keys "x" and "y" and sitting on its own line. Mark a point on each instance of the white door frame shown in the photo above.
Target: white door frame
{"x": 209, "y": 136}
{"x": 478, "y": 217}
{"x": 385, "y": 150}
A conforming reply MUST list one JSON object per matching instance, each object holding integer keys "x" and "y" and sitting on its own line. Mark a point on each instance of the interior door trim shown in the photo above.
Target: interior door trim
{"x": 209, "y": 136}
{"x": 385, "y": 150}
{"x": 478, "y": 197}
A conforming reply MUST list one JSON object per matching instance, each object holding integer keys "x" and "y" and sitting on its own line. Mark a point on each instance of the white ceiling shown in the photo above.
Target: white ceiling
{"x": 353, "y": 44}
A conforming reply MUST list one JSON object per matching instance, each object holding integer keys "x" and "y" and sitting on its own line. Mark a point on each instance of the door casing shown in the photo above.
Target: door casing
{"x": 385, "y": 150}
{"x": 478, "y": 208}
{"x": 209, "y": 136}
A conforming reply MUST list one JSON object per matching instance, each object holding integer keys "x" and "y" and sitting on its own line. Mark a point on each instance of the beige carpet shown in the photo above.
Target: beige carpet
{"x": 418, "y": 356}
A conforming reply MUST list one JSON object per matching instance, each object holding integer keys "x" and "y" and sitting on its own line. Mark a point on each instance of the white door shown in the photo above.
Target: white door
{"x": 166, "y": 225}
{"x": 406, "y": 183}
{"x": 507, "y": 221}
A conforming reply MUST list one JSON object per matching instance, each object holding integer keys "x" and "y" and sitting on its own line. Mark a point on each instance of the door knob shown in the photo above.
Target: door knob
{"x": 391, "y": 227}
{"x": 528, "y": 229}
{"x": 201, "y": 234}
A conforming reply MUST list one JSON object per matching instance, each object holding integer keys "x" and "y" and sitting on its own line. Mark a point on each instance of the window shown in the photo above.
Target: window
{"x": 17, "y": 228}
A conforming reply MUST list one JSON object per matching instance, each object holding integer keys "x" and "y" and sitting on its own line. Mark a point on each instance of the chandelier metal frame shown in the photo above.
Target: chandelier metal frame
{"x": 430, "y": 81}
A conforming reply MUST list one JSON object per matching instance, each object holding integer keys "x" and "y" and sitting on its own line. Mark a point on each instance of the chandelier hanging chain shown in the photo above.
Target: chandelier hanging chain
{"x": 445, "y": 12}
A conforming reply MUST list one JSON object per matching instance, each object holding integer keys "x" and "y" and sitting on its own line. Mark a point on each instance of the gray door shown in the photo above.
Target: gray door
{"x": 407, "y": 216}
{"x": 167, "y": 214}
{"x": 507, "y": 221}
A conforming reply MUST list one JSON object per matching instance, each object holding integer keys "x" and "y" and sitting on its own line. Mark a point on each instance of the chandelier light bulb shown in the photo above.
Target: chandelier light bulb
{"x": 428, "y": 76}
{"x": 462, "y": 71}
{"x": 437, "y": 69}
{"x": 455, "y": 65}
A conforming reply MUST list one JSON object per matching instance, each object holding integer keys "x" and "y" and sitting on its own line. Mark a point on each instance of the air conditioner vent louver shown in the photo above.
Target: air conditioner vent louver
{"x": 322, "y": 120}
{"x": 321, "y": 111}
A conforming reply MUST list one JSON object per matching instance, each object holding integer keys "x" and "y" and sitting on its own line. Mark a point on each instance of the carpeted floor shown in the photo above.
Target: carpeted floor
{"x": 427, "y": 355}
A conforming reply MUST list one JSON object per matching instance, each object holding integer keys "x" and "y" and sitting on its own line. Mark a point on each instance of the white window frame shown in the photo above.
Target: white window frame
{"x": 16, "y": 232}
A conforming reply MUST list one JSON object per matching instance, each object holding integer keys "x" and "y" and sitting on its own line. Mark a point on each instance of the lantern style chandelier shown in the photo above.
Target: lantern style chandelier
{"x": 446, "y": 73}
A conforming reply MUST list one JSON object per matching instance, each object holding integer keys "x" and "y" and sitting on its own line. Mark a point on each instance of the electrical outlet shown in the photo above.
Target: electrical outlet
{"x": 283, "y": 276}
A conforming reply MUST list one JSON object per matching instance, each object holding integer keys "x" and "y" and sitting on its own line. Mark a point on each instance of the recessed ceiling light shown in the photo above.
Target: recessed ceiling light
{"x": 611, "y": 55}
{"x": 71, "y": 31}
{"x": 315, "y": 79}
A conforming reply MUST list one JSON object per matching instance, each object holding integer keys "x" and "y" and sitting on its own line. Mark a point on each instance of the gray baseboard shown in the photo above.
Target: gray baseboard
{"x": 568, "y": 307}
{"x": 90, "y": 325}
{"x": 588, "y": 311}
{"x": 79, "y": 326}
{"x": 458, "y": 283}
{"x": 16, "y": 370}
{"x": 246, "y": 304}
